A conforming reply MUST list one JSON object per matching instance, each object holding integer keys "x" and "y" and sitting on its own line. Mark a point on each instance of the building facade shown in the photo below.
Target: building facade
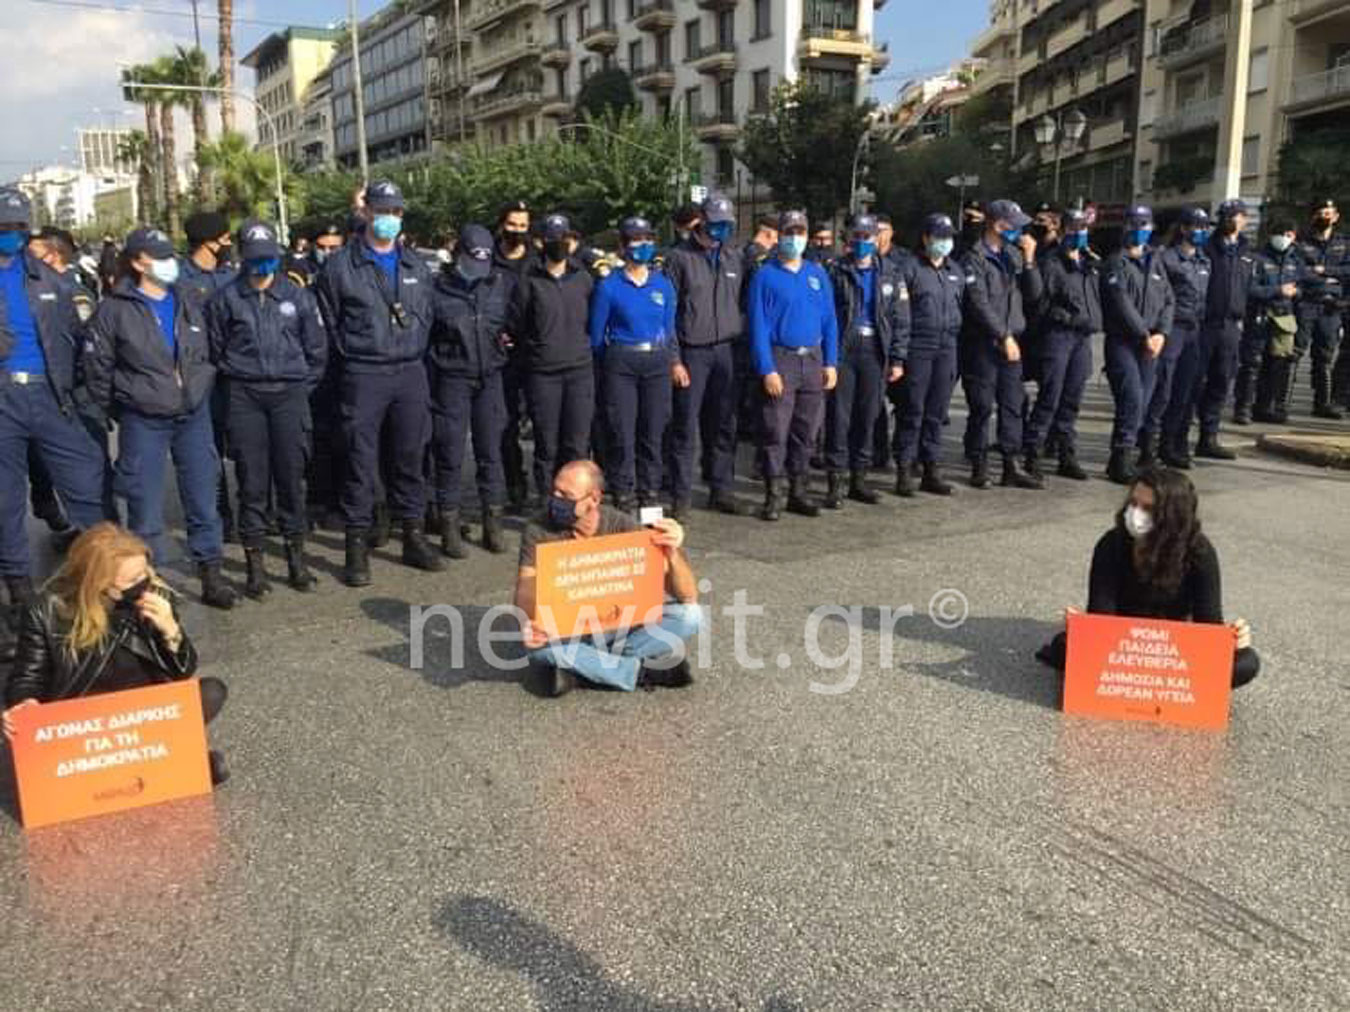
{"x": 99, "y": 149}
{"x": 394, "y": 89}
{"x": 925, "y": 108}
{"x": 315, "y": 137}
{"x": 285, "y": 64}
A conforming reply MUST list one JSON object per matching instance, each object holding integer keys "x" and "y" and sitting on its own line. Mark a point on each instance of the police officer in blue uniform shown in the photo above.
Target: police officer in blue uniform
{"x": 1071, "y": 312}
{"x": 376, "y": 300}
{"x": 872, "y": 310}
{"x": 1326, "y": 255}
{"x": 632, "y": 333}
{"x": 1269, "y": 342}
{"x": 922, "y": 372}
{"x": 1137, "y": 306}
{"x": 1187, "y": 266}
{"x": 468, "y": 355}
{"x": 39, "y": 327}
{"x": 148, "y": 363}
{"x": 209, "y": 264}
{"x": 1005, "y": 290}
{"x": 709, "y": 278}
{"x": 513, "y": 254}
{"x": 794, "y": 348}
{"x": 270, "y": 348}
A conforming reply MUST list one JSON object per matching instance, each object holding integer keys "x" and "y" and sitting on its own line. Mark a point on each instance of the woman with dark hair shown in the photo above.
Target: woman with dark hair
{"x": 1156, "y": 563}
{"x": 104, "y": 623}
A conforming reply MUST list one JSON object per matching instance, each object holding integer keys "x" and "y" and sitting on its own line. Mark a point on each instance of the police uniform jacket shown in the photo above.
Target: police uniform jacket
{"x": 891, "y": 318}
{"x": 1326, "y": 289}
{"x": 1137, "y": 298}
{"x": 1272, "y": 270}
{"x": 937, "y": 298}
{"x": 1001, "y": 288}
{"x": 1073, "y": 296}
{"x": 1230, "y": 277}
{"x": 1189, "y": 276}
{"x": 468, "y": 323}
{"x": 548, "y": 318}
{"x": 52, "y": 305}
{"x": 199, "y": 284}
{"x": 270, "y": 336}
{"x": 372, "y": 322}
{"x": 708, "y": 295}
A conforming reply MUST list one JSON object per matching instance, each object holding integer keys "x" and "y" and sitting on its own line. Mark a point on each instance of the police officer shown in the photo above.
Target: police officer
{"x": 761, "y": 245}
{"x": 513, "y": 254}
{"x": 794, "y": 347}
{"x": 1046, "y": 228}
{"x": 922, "y": 373}
{"x": 208, "y": 267}
{"x": 972, "y": 228}
{"x": 1266, "y": 362}
{"x": 269, "y": 344}
{"x": 39, "y": 329}
{"x": 468, "y": 355}
{"x": 632, "y": 334}
{"x": 872, "y": 310}
{"x": 303, "y": 268}
{"x": 376, "y": 302}
{"x": 148, "y": 363}
{"x": 1326, "y": 256}
{"x": 1187, "y": 265}
{"x": 548, "y": 322}
{"x": 1071, "y": 312}
{"x": 1231, "y": 264}
{"x": 821, "y": 247}
{"x": 1137, "y": 307}
{"x": 1005, "y": 284}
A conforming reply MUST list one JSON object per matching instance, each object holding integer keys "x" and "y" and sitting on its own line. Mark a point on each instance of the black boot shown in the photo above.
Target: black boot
{"x": 1321, "y": 383}
{"x": 979, "y": 472}
{"x": 1283, "y": 372}
{"x": 356, "y": 569}
{"x": 1015, "y": 477}
{"x": 1244, "y": 393}
{"x": 494, "y": 538}
{"x": 773, "y": 499}
{"x": 858, "y": 490}
{"x": 679, "y": 509}
{"x": 1031, "y": 463}
{"x": 379, "y": 530}
{"x": 1119, "y": 469}
{"x": 932, "y": 480}
{"x": 1069, "y": 466}
{"x": 297, "y": 570}
{"x": 216, "y": 590}
{"x": 834, "y": 491}
{"x": 417, "y": 550}
{"x": 797, "y": 501}
{"x": 1176, "y": 453}
{"x": 433, "y": 517}
{"x": 452, "y": 541}
{"x": 904, "y": 481}
{"x": 256, "y": 585}
{"x": 722, "y": 501}
{"x": 1148, "y": 450}
{"x": 1211, "y": 448}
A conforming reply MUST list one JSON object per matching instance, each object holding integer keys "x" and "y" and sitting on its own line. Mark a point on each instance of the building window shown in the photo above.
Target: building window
{"x": 1148, "y": 109}
{"x": 691, "y": 104}
{"x": 1251, "y": 156}
{"x": 726, "y": 167}
{"x": 560, "y": 29}
{"x": 1258, "y": 70}
{"x": 663, "y": 49}
{"x": 726, "y": 29}
{"x": 632, "y": 9}
{"x": 763, "y": 20}
{"x": 759, "y": 83}
{"x": 585, "y": 69}
{"x": 1145, "y": 176}
{"x": 529, "y": 131}
{"x": 634, "y": 55}
{"x": 691, "y": 39}
{"x": 583, "y": 19}
{"x": 726, "y": 98}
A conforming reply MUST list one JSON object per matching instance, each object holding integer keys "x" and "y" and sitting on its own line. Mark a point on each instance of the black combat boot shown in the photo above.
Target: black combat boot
{"x": 932, "y": 480}
{"x": 1244, "y": 394}
{"x": 797, "y": 501}
{"x": 1015, "y": 477}
{"x": 1323, "y": 406}
{"x": 494, "y": 538}
{"x": 1069, "y": 466}
{"x": 979, "y": 471}
{"x": 1283, "y": 372}
{"x": 1176, "y": 452}
{"x": 858, "y": 490}
{"x": 417, "y": 550}
{"x": 452, "y": 540}
{"x": 721, "y": 500}
{"x": 216, "y": 590}
{"x": 834, "y": 491}
{"x": 255, "y": 584}
{"x": 1148, "y": 451}
{"x": 773, "y": 499}
{"x": 1210, "y": 448}
{"x": 904, "y": 481}
{"x": 356, "y": 569}
{"x": 1119, "y": 469}
{"x": 297, "y": 570}
{"x": 1031, "y": 463}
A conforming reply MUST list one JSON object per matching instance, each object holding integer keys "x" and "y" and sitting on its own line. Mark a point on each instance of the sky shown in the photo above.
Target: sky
{"x": 63, "y": 57}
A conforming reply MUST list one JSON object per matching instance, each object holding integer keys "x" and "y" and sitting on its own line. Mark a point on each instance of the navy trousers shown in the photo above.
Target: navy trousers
{"x": 1130, "y": 371}
{"x": 851, "y": 407}
{"x": 925, "y": 394}
{"x": 1065, "y": 368}
{"x": 144, "y": 446}
{"x": 989, "y": 379}
{"x": 705, "y": 411}
{"x": 514, "y": 397}
{"x": 269, "y": 429}
{"x": 789, "y": 424}
{"x": 462, "y": 406}
{"x": 1215, "y": 368}
{"x": 1182, "y": 405}
{"x": 562, "y": 405}
{"x": 31, "y": 418}
{"x": 393, "y": 401}
{"x": 637, "y": 408}
{"x": 1180, "y": 344}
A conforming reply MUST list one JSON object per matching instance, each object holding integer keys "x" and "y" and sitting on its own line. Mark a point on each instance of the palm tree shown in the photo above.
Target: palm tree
{"x": 246, "y": 179}
{"x": 166, "y": 72}
{"x": 150, "y": 101}
{"x": 190, "y": 67}
{"x": 134, "y": 149}
{"x": 225, "y": 19}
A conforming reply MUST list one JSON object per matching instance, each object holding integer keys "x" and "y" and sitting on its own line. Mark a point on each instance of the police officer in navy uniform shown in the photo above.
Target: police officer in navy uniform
{"x": 709, "y": 279}
{"x": 1071, "y": 312}
{"x": 468, "y": 355}
{"x": 269, "y": 343}
{"x": 794, "y": 348}
{"x": 39, "y": 330}
{"x": 1266, "y": 358}
{"x": 148, "y": 363}
{"x": 872, "y": 310}
{"x": 1326, "y": 282}
{"x": 1137, "y": 306}
{"x": 513, "y": 254}
{"x": 377, "y": 304}
{"x": 1187, "y": 265}
{"x": 1004, "y": 289}
{"x": 208, "y": 266}
{"x": 632, "y": 334}
{"x": 303, "y": 268}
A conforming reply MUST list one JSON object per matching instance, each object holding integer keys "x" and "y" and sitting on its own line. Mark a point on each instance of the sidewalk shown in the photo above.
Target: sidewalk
{"x": 1318, "y": 449}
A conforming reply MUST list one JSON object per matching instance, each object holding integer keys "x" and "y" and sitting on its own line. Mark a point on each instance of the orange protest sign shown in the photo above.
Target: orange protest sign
{"x": 1123, "y": 668}
{"x": 604, "y": 583}
{"x": 110, "y": 752}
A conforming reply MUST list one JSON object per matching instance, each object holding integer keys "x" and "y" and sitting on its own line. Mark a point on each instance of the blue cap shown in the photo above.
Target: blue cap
{"x": 791, "y": 219}
{"x": 1009, "y": 211}
{"x": 718, "y": 208}
{"x": 150, "y": 241}
{"x": 635, "y": 227}
{"x": 938, "y": 226}
{"x": 1230, "y": 209}
{"x": 475, "y": 241}
{"x": 555, "y": 226}
{"x": 15, "y": 208}
{"x": 382, "y": 195}
{"x": 257, "y": 241}
{"x": 1074, "y": 219}
{"x": 864, "y": 224}
{"x": 1195, "y": 217}
{"x": 1139, "y": 216}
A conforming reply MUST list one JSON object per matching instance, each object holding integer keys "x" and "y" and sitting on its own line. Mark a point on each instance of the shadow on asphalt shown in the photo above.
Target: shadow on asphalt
{"x": 563, "y": 976}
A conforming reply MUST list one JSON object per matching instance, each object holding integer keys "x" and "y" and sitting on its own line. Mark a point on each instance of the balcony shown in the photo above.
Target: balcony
{"x": 511, "y": 53}
{"x": 1115, "y": 69}
{"x": 994, "y": 33}
{"x": 557, "y": 106}
{"x": 655, "y": 16}
{"x": 1027, "y": 60}
{"x": 602, "y": 37}
{"x": 1315, "y": 91}
{"x": 716, "y": 126}
{"x": 717, "y": 5}
{"x": 1104, "y": 135}
{"x": 818, "y": 41}
{"x": 881, "y": 58}
{"x": 995, "y": 74}
{"x": 1192, "y": 41}
{"x": 716, "y": 58}
{"x": 556, "y": 54}
{"x": 499, "y": 11}
{"x": 1189, "y": 118}
{"x": 654, "y": 77}
{"x": 1066, "y": 38}
{"x": 1304, "y": 11}
{"x": 1113, "y": 10}
{"x": 497, "y": 104}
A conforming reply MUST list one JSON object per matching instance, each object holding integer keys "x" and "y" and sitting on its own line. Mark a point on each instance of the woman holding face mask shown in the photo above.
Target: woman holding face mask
{"x": 1156, "y": 563}
{"x": 104, "y": 623}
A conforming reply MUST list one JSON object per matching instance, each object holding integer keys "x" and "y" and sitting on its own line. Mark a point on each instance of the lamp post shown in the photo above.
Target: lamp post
{"x": 1067, "y": 127}
{"x": 864, "y": 143}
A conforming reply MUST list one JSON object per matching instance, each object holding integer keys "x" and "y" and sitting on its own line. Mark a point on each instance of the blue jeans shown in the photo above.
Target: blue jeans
{"x": 144, "y": 443}
{"x": 616, "y": 659}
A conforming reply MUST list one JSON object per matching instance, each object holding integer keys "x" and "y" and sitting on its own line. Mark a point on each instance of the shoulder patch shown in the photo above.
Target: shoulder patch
{"x": 659, "y": 298}
{"x": 287, "y": 308}
{"x": 814, "y": 283}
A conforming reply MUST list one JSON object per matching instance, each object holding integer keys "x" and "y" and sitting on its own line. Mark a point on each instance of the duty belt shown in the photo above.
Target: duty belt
{"x": 643, "y": 346}
{"x": 23, "y": 378}
{"x": 801, "y": 351}
{"x": 865, "y": 330}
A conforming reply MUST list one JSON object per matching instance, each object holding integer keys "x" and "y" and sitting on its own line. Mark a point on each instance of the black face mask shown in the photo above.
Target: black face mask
{"x": 556, "y": 250}
{"x": 472, "y": 270}
{"x": 126, "y": 603}
{"x": 513, "y": 239}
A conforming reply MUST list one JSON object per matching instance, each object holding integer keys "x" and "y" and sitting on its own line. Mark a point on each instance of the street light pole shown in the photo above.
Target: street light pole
{"x": 359, "y": 97}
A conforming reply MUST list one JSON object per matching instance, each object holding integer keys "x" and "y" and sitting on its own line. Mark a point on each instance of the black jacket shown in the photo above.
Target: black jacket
{"x": 1327, "y": 288}
{"x": 356, "y": 299}
{"x": 1189, "y": 276}
{"x": 52, "y": 305}
{"x": 268, "y": 336}
{"x": 998, "y": 291}
{"x": 128, "y": 365}
{"x": 708, "y": 304}
{"x": 548, "y": 318}
{"x": 1273, "y": 270}
{"x": 1137, "y": 298}
{"x": 46, "y": 671}
{"x": 937, "y": 298}
{"x": 1230, "y": 279}
{"x": 892, "y": 322}
{"x": 1073, "y": 297}
{"x": 468, "y": 322}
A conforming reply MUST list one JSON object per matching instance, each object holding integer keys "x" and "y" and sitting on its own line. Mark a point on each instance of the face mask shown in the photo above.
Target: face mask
{"x": 126, "y": 601}
{"x": 1138, "y": 236}
{"x": 1199, "y": 236}
{"x": 386, "y": 227}
{"x": 513, "y": 238}
{"x": 1138, "y": 522}
{"x": 556, "y": 250}
{"x": 641, "y": 252}
{"x": 1011, "y": 235}
{"x": 263, "y": 267}
{"x": 1325, "y": 222}
{"x": 791, "y": 247}
{"x": 560, "y": 513}
{"x": 718, "y": 231}
{"x": 864, "y": 248}
{"x": 472, "y": 270}
{"x": 1280, "y": 243}
{"x": 224, "y": 255}
{"x": 320, "y": 255}
{"x": 11, "y": 243}
{"x": 1039, "y": 232}
{"x": 1077, "y": 240}
{"x": 164, "y": 272}
{"x": 940, "y": 248}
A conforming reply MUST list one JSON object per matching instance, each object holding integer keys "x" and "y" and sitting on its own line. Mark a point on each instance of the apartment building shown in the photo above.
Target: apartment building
{"x": 284, "y": 65}
{"x": 100, "y": 151}
{"x": 394, "y": 88}
{"x": 926, "y": 108}
{"x": 450, "y": 70}
{"x": 315, "y": 136}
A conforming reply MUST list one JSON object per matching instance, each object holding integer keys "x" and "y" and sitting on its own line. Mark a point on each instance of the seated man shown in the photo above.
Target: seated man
{"x": 624, "y": 658}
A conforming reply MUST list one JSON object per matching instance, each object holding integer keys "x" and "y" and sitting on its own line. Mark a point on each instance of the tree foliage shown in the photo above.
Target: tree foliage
{"x": 1313, "y": 167}
{"x": 606, "y": 92}
{"x": 245, "y": 180}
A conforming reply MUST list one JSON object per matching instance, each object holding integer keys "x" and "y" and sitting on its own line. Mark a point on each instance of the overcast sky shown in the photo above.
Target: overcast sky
{"x": 62, "y": 58}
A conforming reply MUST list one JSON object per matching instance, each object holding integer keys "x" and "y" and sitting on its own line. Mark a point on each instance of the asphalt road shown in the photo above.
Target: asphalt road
{"x": 939, "y": 837}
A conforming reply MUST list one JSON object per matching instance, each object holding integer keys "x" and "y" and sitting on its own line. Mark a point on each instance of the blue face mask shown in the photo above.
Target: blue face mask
{"x": 791, "y": 247}
{"x": 1199, "y": 236}
{"x": 1011, "y": 235}
{"x": 386, "y": 227}
{"x": 1138, "y": 236}
{"x": 1076, "y": 240}
{"x": 641, "y": 252}
{"x": 938, "y": 249}
{"x": 11, "y": 243}
{"x": 262, "y": 267}
{"x": 560, "y": 513}
{"x": 864, "y": 248}
{"x": 718, "y": 231}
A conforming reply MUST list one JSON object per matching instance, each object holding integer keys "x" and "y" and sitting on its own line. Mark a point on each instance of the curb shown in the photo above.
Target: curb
{"x": 1320, "y": 451}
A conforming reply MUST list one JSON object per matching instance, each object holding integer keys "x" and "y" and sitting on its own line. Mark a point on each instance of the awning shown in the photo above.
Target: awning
{"x": 487, "y": 84}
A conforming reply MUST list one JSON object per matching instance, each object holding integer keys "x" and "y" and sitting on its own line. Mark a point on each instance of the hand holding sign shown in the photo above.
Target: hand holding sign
{"x": 11, "y": 716}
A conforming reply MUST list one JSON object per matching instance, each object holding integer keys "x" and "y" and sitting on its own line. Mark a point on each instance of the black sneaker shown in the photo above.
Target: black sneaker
{"x": 220, "y": 772}
{"x": 678, "y": 677}
{"x": 558, "y": 681}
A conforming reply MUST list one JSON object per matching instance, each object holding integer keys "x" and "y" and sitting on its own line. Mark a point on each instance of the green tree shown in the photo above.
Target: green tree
{"x": 134, "y": 149}
{"x": 225, "y": 45}
{"x": 149, "y": 101}
{"x": 606, "y": 92}
{"x": 190, "y": 67}
{"x": 246, "y": 182}
{"x": 1313, "y": 167}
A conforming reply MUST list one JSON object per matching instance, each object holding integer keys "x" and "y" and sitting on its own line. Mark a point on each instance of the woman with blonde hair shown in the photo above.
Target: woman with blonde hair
{"x": 104, "y": 623}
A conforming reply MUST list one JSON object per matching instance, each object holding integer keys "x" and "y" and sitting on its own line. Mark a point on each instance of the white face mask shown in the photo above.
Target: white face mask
{"x": 1138, "y": 521}
{"x": 1280, "y": 243}
{"x": 164, "y": 272}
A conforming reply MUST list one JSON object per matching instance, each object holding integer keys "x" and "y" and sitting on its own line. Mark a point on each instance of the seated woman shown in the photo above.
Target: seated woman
{"x": 1155, "y": 563}
{"x": 104, "y": 623}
